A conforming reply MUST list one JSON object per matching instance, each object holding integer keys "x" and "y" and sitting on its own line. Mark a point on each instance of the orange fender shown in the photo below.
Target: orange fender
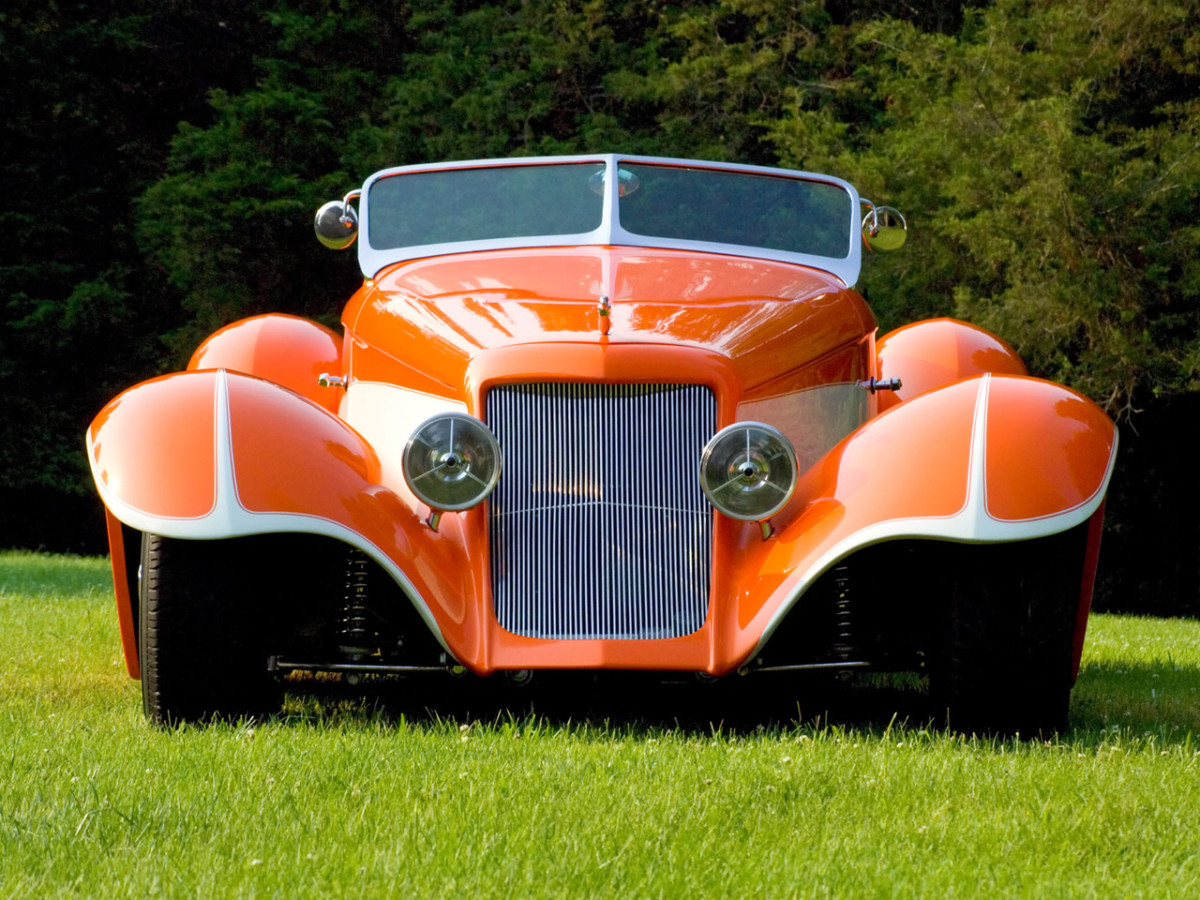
{"x": 935, "y": 352}
{"x": 991, "y": 458}
{"x": 213, "y": 454}
{"x": 288, "y": 350}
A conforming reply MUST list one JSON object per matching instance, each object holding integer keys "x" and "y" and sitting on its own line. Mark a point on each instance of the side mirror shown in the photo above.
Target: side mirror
{"x": 884, "y": 228}
{"x": 336, "y": 224}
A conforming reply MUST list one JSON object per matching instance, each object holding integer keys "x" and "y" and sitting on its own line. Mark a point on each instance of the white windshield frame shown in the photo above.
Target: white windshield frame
{"x": 610, "y": 233}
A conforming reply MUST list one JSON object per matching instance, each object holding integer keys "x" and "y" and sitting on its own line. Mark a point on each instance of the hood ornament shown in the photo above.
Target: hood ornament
{"x": 604, "y": 311}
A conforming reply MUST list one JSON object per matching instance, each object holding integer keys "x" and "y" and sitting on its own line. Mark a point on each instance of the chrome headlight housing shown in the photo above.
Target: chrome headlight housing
{"x": 748, "y": 471}
{"x": 451, "y": 462}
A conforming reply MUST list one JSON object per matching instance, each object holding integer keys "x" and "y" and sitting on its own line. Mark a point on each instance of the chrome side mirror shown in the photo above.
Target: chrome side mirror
{"x": 336, "y": 223}
{"x": 884, "y": 228}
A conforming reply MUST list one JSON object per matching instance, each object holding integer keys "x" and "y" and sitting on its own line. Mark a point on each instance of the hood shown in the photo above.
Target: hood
{"x": 766, "y": 318}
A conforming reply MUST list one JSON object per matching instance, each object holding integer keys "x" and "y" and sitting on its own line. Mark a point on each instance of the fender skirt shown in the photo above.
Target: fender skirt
{"x": 215, "y": 454}
{"x": 987, "y": 459}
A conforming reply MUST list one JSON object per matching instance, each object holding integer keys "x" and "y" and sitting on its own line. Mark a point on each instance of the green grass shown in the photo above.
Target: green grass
{"x": 380, "y": 798}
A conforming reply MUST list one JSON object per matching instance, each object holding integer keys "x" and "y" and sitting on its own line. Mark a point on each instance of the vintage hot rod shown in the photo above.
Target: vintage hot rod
{"x": 605, "y": 412}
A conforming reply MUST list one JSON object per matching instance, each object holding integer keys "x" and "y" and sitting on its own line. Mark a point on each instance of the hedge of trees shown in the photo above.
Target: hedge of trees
{"x": 162, "y": 160}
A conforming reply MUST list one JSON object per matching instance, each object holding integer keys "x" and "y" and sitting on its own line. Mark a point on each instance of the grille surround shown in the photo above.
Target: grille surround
{"x": 598, "y": 526}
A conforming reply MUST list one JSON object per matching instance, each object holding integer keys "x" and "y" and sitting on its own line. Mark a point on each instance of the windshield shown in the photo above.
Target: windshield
{"x": 720, "y": 207}
{"x": 615, "y": 201}
{"x": 481, "y": 204}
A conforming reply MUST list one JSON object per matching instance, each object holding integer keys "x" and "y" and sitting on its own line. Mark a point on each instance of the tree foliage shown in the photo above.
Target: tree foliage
{"x": 160, "y": 175}
{"x": 1059, "y": 216}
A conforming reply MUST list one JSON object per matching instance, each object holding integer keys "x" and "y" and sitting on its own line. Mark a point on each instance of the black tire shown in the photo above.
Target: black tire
{"x": 1004, "y": 664}
{"x": 201, "y": 639}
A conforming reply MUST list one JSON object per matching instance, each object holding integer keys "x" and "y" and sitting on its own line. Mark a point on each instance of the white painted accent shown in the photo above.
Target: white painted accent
{"x": 386, "y": 416}
{"x": 610, "y": 233}
{"x": 976, "y": 505}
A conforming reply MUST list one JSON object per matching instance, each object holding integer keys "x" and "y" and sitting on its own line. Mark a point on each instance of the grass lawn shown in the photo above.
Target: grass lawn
{"x": 483, "y": 796}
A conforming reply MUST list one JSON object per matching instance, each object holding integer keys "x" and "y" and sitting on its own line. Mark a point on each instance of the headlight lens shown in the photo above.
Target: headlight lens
{"x": 451, "y": 462}
{"x": 748, "y": 471}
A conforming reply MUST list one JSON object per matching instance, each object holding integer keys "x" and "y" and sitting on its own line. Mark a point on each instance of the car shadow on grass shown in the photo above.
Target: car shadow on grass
{"x": 627, "y": 701}
{"x": 1161, "y": 701}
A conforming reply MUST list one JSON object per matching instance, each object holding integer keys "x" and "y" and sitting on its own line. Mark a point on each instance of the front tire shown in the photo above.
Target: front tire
{"x": 201, "y": 636}
{"x": 1004, "y": 665}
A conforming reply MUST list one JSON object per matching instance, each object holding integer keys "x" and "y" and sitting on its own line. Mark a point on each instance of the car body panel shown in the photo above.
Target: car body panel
{"x": 124, "y": 590}
{"x": 287, "y": 350}
{"x": 455, "y": 310}
{"x": 921, "y": 470}
{"x": 934, "y": 352}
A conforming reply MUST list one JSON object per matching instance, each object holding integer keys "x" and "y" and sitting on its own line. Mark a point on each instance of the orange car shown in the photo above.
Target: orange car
{"x": 604, "y": 412}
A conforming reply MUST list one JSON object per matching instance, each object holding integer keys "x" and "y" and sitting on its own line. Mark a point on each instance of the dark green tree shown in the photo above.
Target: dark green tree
{"x": 92, "y": 94}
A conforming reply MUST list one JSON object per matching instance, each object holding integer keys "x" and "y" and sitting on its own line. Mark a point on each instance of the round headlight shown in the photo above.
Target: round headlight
{"x": 451, "y": 462}
{"x": 748, "y": 471}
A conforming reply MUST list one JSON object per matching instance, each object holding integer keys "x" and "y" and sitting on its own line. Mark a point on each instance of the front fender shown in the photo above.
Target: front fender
{"x": 986, "y": 459}
{"x": 935, "y": 352}
{"x": 205, "y": 454}
{"x": 214, "y": 454}
{"x": 990, "y": 458}
{"x": 288, "y": 350}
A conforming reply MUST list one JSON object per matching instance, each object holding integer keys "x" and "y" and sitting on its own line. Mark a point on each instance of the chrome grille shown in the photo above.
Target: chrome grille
{"x": 599, "y": 528}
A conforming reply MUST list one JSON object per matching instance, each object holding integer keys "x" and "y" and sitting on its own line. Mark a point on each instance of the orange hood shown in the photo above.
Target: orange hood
{"x": 766, "y": 318}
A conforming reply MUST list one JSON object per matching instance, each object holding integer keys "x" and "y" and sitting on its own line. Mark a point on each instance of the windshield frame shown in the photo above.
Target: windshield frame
{"x": 610, "y": 233}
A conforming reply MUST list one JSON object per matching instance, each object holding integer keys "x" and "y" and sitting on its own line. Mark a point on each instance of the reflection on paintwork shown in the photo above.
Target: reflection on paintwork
{"x": 790, "y": 317}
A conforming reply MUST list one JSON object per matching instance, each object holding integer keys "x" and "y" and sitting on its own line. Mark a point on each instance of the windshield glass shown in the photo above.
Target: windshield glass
{"x": 693, "y": 204}
{"x": 488, "y": 203}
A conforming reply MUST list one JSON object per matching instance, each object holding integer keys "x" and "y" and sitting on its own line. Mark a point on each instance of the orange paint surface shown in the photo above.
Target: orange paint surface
{"x": 150, "y": 436}
{"x": 121, "y": 589}
{"x": 438, "y": 315}
{"x": 288, "y": 350}
{"x": 277, "y": 441}
{"x": 1048, "y": 449}
{"x": 769, "y": 339}
{"x": 934, "y": 352}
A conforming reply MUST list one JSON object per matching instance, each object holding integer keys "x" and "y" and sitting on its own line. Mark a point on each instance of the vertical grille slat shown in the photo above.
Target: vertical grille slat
{"x": 599, "y": 528}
